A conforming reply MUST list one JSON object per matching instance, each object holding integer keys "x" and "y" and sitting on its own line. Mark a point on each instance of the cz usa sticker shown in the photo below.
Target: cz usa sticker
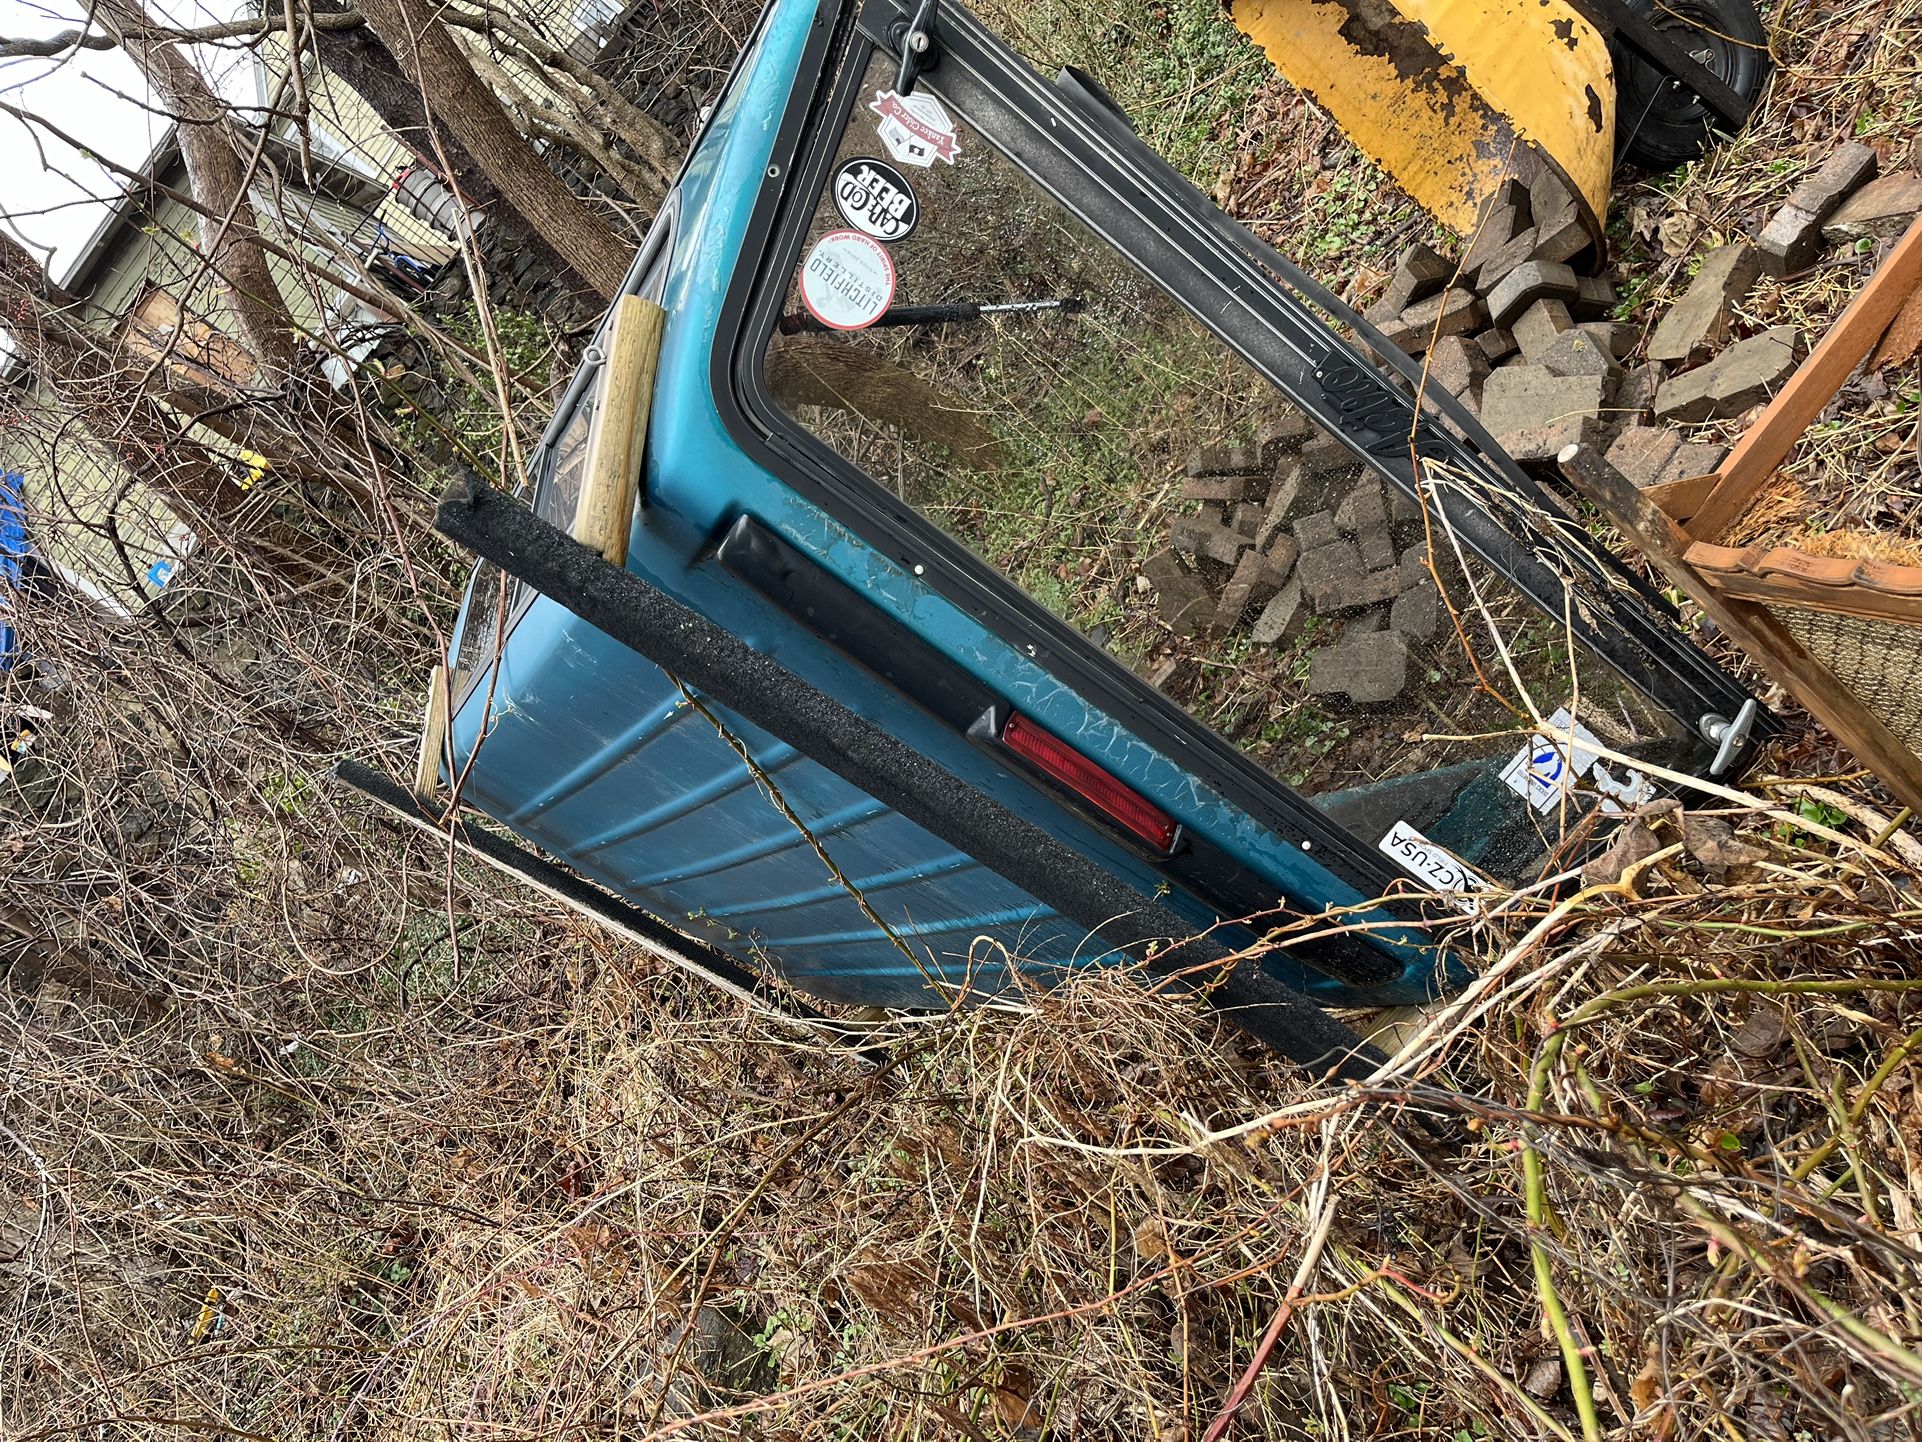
{"x": 1437, "y": 868}
{"x": 876, "y": 199}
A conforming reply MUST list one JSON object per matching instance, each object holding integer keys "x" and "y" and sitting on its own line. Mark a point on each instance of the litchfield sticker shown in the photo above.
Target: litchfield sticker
{"x": 1432, "y": 866}
{"x": 1545, "y": 770}
{"x": 876, "y": 199}
{"x": 848, "y": 281}
{"x": 916, "y": 129}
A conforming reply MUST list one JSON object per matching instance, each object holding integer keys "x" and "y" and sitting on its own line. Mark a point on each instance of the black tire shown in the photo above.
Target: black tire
{"x": 1659, "y": 124}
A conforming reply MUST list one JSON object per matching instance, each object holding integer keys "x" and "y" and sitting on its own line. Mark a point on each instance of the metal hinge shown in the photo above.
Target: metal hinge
{"x": 917, "y": 43}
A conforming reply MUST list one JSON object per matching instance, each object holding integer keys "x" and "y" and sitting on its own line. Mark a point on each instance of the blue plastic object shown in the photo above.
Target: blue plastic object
{"x": 14, "y": 549}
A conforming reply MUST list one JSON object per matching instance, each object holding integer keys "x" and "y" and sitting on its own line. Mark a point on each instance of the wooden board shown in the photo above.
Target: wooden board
{"x": 1680, "y": 500}
{"x": 617, "y": 436}
{"x": 1781, "y": 575}
{"x": 1748, "y": 623}
{"x": 433, "y": 736}
{"x": 1768, "y": 442}
{"x": 193, "y": 350}
{"x": 1904, "y": 337}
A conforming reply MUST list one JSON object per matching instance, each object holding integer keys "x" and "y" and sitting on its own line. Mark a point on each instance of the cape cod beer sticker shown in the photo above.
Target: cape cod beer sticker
{"x": 876, "y": 199}
{"x": 848, "y": 280}
{"x": 915, "y": 128}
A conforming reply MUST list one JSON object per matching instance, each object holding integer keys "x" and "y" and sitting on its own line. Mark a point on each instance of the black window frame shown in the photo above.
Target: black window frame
{"x": 1331, "y": 380}
{"x": 1679, "y": 679}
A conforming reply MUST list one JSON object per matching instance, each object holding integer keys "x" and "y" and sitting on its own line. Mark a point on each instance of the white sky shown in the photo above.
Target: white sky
{"x": 49, "y": 192}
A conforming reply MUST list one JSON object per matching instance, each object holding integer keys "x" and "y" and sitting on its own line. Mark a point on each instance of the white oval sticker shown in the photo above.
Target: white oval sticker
{"x": 848, "y": 281}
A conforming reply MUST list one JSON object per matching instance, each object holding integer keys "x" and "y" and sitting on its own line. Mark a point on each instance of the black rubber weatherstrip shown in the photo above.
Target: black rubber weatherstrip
{"x": 863, "y": 632}
{"x": 755, "y": 686}
{"x": 851, "y": 623}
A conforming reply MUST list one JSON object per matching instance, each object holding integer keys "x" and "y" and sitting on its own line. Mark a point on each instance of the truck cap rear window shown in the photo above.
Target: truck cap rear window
{"x": 953, "y": 331}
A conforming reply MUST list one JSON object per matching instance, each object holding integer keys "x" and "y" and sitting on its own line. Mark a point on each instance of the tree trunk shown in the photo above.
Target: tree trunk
{"x": 453, "y": 94}
{"x": 619, "y": 118}
{"x": 210, "y": 145}
{"x": 356, "y": 56}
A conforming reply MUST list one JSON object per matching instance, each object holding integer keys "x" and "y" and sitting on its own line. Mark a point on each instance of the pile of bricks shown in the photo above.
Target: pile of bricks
{"x": 1291, "y": 528}
{"x": 1520, "y": 337}
{"x": 1514, "y": 330}
{"x": 1842, "y": 204}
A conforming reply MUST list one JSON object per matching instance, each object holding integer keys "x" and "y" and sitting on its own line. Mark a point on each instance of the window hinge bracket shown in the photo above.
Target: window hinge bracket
{"x": 917, "y": 42}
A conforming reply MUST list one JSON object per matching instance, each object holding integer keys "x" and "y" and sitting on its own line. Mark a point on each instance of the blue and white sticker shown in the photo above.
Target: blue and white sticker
{"x": 1546, "y": 770}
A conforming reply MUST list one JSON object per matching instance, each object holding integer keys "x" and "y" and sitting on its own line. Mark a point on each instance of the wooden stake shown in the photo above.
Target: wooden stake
{"x": 617, "y": 436}
{"x": 433, "y": 736}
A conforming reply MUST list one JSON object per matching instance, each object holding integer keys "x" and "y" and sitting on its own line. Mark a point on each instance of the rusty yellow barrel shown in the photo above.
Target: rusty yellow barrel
{"x": 1452, "y": 97}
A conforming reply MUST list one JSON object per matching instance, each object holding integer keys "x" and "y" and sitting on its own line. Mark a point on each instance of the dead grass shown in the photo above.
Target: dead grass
{"x": 1777, "y": 516}
{"x": 330, "y": 1140}
{"x": 1864, "y": 546}
{"x": 556, "y": 1200}
{"x": 311, "y": 1133}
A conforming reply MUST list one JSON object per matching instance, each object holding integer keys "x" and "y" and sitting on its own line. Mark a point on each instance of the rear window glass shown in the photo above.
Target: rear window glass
{"x": 959, "y": 336}
{"x": 559, "y": 493}
{"x": 480, "y": 632}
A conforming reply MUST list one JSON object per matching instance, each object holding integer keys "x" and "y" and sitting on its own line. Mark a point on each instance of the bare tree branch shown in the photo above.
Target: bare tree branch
{"x": 623, "y": 118}
{"x": 51, "y": 46}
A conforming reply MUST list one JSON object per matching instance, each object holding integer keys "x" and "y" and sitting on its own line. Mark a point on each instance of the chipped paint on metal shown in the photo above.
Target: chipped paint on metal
{"x": 1453, "y": 97}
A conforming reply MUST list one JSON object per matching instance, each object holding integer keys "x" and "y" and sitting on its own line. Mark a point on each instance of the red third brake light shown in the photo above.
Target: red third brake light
{"x": 1126, "y": 807}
